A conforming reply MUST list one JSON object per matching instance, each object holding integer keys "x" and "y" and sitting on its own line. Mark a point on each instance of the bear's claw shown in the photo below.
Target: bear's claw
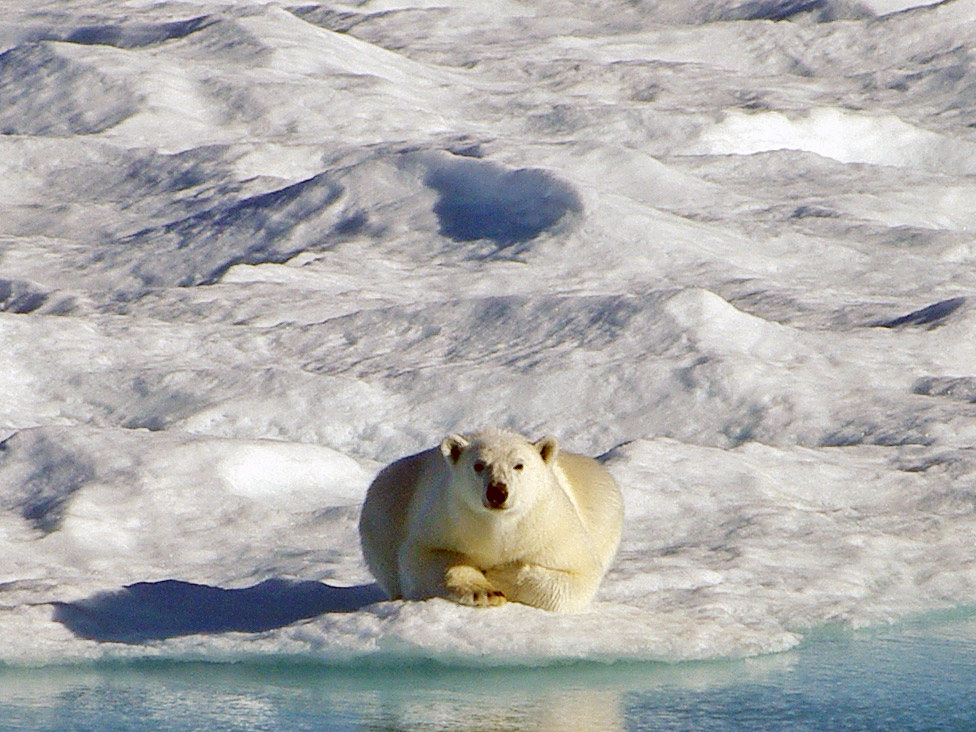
{"x": 480, "y": 597}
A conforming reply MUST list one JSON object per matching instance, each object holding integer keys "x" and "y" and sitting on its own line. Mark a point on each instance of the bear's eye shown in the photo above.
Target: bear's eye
{"x": 479, "y": 467}
{"x": 518, "y": 466}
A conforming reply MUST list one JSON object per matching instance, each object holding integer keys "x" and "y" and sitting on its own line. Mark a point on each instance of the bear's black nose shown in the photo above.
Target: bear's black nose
{"x": 496, "y": 494}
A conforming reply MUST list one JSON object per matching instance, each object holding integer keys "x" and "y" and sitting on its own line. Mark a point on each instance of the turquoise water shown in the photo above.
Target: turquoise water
{"x": 915, "y": 677}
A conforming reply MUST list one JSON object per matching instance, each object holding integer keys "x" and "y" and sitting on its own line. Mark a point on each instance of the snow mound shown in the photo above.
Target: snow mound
{"x": 45, "y": 91}
{"x": 135, "y": 34}
{"x": 17, "y": 296}
{"x": 270, "y": 227}
{"x": 843, "y": 135}
{"x": 226, "y": 223}
{"x": 818, "y": 10}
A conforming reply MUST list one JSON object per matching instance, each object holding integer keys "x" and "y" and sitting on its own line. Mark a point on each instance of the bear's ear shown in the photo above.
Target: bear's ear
{"x": 548, "y": 448}
{"x": 452, "y": 447}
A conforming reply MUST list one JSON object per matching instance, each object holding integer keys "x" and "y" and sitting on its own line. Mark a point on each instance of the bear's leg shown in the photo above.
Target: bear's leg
{"x": 436, "y": 573}
{"x": 550, "y": 589}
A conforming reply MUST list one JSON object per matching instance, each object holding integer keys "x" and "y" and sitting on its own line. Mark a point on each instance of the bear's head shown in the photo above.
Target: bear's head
{"x": 497, "y": 470}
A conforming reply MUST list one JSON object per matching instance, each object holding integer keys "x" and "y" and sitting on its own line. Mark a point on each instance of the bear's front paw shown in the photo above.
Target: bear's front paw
{"x": 478, "y": 596}
{"x": 468, "y": 586}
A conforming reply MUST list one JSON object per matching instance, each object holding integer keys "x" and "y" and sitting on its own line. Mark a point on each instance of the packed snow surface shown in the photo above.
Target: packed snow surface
{"x": 251, "y": 252}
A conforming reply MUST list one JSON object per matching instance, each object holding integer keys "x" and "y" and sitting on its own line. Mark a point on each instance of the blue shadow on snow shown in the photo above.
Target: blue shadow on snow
{"x": 932, "y": 316}
{"x": 149, "y": 611}
{"x": 483, "y": 200}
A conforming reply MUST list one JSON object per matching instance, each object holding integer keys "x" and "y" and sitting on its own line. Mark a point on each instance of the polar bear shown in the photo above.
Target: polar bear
{"x": 491, "y": 517}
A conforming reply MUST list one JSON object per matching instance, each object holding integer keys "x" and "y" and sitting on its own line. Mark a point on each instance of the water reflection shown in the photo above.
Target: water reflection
{"x": 296, "y": 696}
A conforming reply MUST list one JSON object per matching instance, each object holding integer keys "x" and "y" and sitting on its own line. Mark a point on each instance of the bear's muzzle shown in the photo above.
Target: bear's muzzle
{"x": 496, "y": 494}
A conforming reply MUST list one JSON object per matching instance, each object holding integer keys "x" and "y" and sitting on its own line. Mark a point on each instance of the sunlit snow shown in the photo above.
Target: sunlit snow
{"x": 251, "y": 252}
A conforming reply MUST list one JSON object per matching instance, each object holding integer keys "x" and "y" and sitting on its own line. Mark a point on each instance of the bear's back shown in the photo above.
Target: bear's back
{"x": 598, "y": 500}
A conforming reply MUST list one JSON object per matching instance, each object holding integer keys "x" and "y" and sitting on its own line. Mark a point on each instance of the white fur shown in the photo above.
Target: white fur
{"x": 438, "y": 524}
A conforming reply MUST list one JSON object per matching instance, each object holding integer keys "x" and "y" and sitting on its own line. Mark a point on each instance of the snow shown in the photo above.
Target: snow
{"x": 841, "y": 135}
{"x": 251, "y": 252}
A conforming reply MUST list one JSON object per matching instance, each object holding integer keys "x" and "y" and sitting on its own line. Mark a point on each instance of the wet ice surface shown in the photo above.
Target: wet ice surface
{"x": 249, "y": 253}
